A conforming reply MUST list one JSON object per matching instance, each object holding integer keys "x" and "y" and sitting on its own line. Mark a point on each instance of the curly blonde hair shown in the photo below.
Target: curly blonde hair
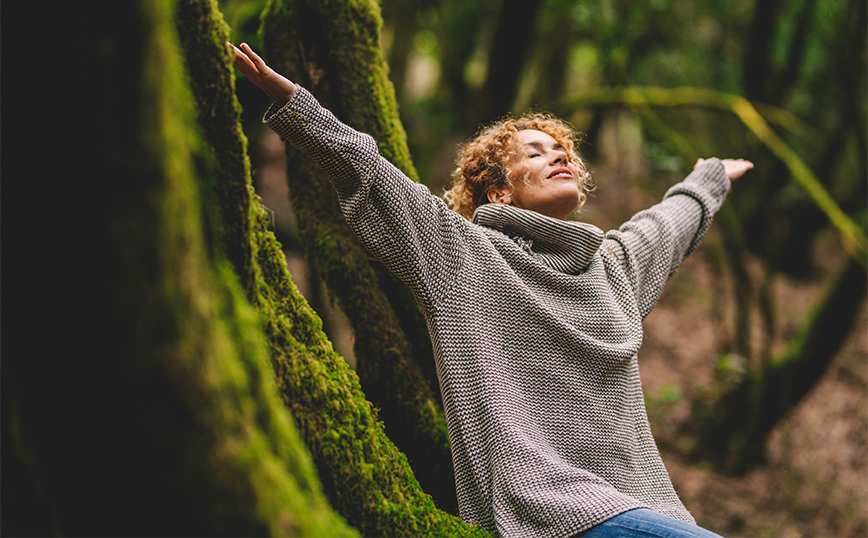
{"x": 483, "y": 162}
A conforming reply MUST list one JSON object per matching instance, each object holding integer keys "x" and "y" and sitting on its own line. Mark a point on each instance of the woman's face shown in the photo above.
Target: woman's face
{"x": 544, "y": 180}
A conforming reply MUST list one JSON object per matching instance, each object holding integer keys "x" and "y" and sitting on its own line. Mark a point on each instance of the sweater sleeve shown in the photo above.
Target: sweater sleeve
{"x": 652, "y": 244}
{"x": 397, "y": 220}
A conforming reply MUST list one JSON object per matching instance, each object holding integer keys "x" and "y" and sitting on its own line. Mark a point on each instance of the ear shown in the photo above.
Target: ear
{"x": 500, "y": 196}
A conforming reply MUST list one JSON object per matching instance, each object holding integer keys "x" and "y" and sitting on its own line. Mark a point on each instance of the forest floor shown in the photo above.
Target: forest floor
{"x": 814, "y": 480}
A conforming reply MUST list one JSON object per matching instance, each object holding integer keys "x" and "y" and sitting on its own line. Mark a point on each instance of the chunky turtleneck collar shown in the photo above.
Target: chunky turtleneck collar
{"x": 567, "y": 246}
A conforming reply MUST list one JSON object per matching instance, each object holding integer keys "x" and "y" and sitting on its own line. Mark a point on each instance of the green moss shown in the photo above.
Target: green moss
{"x": 276, "y": 453}
{"x": 204, "y": 37}
{"x": 257, "y": 439}
{"x": 220, "y": 358}
{"x": 340, "y": 41}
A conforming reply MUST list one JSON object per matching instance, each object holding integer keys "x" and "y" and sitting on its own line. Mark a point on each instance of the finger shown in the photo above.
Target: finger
{"x": 260, "y": 64}
{"x": 243, "y": 63}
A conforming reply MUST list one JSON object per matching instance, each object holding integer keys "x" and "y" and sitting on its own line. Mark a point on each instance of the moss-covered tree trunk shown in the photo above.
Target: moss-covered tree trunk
{"x": 368, "y": 480}
{"x": 137, "y": 393}
{"x": 332, "y": 48}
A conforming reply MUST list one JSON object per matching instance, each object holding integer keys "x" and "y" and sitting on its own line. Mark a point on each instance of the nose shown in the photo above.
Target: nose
{"x": 558, "y": 157}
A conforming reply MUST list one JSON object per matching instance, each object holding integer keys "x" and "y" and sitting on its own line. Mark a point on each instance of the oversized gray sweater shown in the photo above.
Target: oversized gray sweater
{"x": 536, "y": 324}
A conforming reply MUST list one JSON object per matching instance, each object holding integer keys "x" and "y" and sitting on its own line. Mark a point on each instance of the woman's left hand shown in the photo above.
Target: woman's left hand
{"x": 734, "y": 168}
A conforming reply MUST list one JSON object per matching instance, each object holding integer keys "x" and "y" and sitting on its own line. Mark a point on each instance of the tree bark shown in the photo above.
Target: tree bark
{"x": 333, "y": 49}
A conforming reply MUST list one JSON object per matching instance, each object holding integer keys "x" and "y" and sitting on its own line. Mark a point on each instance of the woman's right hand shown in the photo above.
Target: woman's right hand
{"x": 275, "y": 85}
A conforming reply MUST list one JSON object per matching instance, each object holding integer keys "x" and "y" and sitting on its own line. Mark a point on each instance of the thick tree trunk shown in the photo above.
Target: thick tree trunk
{"x": 368, "y": 480}
{"x": 136, "y": 381}
{"x": 333, "y": 49}
{"x": 203, "y": 35}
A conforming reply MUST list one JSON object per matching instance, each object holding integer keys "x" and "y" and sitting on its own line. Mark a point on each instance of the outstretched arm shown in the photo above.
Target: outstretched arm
{"x": 651, "y": 245}
{"x": 398, "y": 221}
{"x": 275, "y": 85}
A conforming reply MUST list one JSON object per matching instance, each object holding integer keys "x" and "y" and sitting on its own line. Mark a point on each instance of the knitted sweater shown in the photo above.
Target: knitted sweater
{"x": 536, "y": 323}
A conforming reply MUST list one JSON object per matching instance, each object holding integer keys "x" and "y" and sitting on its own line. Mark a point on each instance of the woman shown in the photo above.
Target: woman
{"x": 535, "y": 320}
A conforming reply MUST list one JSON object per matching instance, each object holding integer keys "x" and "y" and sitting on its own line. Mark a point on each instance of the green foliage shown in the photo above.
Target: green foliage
{"x": 852, "y": 236}
{"x": 730, "y": 369}
{"x": 242, "y": 18}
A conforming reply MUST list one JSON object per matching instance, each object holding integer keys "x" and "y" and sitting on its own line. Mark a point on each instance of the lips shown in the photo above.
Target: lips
{"x": 563, "y": 173}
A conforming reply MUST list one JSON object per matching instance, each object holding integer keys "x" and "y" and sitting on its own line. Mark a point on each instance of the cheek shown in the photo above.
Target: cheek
{"x": 518, "y": 173}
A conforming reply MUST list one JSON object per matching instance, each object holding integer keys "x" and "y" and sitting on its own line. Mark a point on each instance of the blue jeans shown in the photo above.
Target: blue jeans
{"x": 645, "y": 523}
